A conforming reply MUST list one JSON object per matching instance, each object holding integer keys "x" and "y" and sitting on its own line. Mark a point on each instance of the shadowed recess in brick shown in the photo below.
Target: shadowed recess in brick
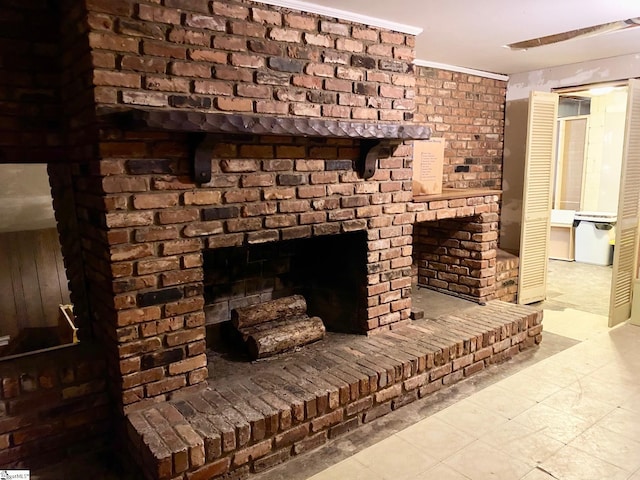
{"x": 458, "y": 255}
{"x": 328, "y": 271}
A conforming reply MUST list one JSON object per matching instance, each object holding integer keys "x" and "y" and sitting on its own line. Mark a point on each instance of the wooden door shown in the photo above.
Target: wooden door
{"x": 536, "y": 202}
{"x": 626, "y": 246}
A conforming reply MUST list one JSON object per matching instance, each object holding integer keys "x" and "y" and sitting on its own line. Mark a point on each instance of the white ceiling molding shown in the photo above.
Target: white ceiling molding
{"x": 453, "y": 68}
{"x": 344, "y": 15}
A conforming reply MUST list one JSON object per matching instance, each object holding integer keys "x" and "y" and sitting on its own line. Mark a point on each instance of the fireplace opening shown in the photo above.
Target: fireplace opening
{"x": 328, "y": 271}
{"x": 457, "y": 256}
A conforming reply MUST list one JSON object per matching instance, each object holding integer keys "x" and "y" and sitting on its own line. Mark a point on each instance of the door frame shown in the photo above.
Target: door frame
{"x": 636, "y": 257}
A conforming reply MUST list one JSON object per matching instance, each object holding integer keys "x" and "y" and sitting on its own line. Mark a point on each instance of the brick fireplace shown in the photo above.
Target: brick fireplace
{"x": 262, "y": 191}
{"x": 285, "y": 114}
{"x": 222, "y": 154}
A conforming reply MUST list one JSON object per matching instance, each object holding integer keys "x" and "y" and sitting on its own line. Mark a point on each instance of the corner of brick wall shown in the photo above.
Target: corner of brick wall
{"x": 507, "y": 272}
{"x": 468, "y": 111}
{"x": 54, "y": 403}
{"x": 455, "y": 246}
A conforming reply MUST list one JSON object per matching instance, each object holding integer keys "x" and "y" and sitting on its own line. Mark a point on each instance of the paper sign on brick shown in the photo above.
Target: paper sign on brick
{"x": 428, "y": 157}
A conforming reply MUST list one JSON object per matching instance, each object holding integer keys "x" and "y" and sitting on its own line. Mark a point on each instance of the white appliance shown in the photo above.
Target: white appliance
{"x": 593, "y": 237}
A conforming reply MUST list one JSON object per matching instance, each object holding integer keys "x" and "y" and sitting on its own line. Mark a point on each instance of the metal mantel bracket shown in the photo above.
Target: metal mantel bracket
{"x": 202, "y": 154}
{"x": 369, "y": 152}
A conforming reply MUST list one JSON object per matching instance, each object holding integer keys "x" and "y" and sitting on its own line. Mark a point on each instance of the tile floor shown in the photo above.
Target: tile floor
{"x": 580, "y": 286}
{"x": 573, "y": 415}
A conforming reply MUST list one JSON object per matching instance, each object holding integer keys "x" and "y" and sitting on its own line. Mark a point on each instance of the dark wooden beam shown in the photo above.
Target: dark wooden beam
{"x": 373, "y": 135}
{"x": 214, "y": 122}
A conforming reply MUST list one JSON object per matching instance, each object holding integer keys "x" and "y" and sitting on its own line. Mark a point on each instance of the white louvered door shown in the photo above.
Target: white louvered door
{"x": 536, "y": 202}
{"x": 626, "y": 248}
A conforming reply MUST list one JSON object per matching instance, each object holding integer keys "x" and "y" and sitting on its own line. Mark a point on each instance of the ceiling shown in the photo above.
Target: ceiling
{"x": 25, "y": 198}
{"x": 471, "y": 33}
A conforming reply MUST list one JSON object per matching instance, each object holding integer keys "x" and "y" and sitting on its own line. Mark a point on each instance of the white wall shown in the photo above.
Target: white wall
{"x": 597, "y": 71}
{"x": 25, "y": 198}
{"x": 604, "y": 152}
{"x": 518, "y": 89}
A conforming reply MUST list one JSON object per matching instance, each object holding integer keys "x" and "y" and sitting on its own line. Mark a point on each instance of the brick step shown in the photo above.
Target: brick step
{"x": 254, "y": 415}
{"x": 507, "y": 271}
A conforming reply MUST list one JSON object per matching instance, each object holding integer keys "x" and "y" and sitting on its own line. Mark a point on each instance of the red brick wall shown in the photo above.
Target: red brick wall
{"x": 469, "y": 112}
{"x": 263, "y": 189}
{"x": 145, "y": 222}
{"x": 134, "y": 223}
{"x": 455, "y": 244}
{"x": 52, "y": 405}
{"x": 29, "y": 81}
{"x": 77, "y": 118}
{"x": 507, "y": 271}
{"x": 238, "y": 56}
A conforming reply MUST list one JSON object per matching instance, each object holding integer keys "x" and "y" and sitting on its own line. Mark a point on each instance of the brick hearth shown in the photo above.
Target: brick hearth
{"x": 258, "y": 414}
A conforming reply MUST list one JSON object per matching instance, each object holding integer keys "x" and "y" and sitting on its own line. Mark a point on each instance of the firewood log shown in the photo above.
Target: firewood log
{"x": 285, "y": 337}
{"x": 246, "y": 332}
{"x": 268, "y": 311}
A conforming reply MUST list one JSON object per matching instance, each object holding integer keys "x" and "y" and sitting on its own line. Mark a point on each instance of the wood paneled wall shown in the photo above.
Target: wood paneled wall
{"x": 33, "y": 281}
